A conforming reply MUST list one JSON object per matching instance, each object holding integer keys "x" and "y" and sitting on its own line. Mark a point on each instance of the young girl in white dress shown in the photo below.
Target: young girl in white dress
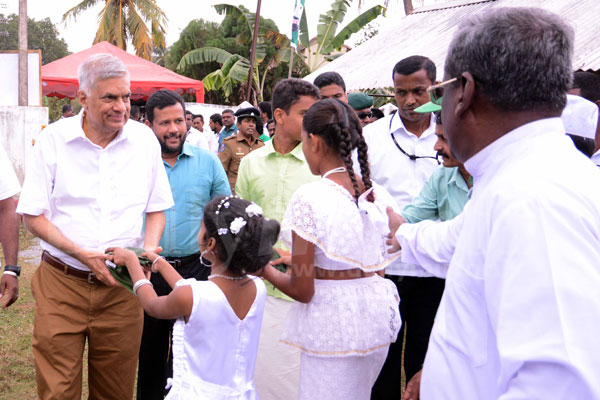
{"x": 346, "y": 314}
{"x": 215, "y": 338}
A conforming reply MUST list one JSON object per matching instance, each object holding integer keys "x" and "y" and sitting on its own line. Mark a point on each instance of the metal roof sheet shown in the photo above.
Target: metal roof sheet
{"x": 429, "y": 30}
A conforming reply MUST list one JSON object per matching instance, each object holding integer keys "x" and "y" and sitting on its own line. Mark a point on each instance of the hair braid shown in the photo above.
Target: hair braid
{"x": 363, "y": 160}
{"x": 345, "y": 147}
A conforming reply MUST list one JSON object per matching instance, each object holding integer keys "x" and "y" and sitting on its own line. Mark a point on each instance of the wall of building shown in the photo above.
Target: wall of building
{"x": 19, "y": 127}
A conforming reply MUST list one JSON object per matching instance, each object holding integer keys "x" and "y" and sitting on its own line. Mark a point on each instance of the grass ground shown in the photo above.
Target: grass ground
{"x": 17, "y": 377}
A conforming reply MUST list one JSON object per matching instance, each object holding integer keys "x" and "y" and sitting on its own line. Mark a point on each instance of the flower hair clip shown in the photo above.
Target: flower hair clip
{"x": 236, "y": 225}
{"x": 254, "y": 210}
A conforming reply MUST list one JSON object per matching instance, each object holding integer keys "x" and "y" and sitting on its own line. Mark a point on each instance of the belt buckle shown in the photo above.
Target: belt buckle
{"x": 90, "y": 277}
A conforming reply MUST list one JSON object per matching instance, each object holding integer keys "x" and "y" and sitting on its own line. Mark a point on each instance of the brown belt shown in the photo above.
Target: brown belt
{"x": 68, "y": 270}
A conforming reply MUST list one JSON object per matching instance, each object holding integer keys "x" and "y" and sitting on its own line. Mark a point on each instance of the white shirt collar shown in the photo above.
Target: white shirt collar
{"x": 76, "y": 130}
{"x": 496, "y": 152}
{"x": 396, "y": 125}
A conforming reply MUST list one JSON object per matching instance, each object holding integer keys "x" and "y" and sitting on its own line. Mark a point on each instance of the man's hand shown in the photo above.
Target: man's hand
{"x": 413, "y": 388}
{"x": 95, "y": 261}
{"x": 394, "y": 222}
{"x": 9, "y": 285}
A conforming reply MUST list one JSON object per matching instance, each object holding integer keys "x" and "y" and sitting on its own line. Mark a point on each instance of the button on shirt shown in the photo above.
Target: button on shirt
{"x": 196, "y": 177}
{"x": 520, "y": 314}
{"x": 95, "y": 196}
{"x": 269, "y": 179}
{"x": 393, "y": 170}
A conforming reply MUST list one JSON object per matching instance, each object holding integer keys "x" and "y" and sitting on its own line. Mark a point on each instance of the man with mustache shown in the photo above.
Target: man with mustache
{"x": 235, "y": 147}
{"x": 195, "y": 177}
{"x": 402, "y": 158}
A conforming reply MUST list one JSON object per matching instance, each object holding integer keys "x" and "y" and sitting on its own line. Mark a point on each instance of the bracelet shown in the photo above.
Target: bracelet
{"x": 10, "y": 273}
{"x": 139, "y": 284}
{"x": 154, "y": 262}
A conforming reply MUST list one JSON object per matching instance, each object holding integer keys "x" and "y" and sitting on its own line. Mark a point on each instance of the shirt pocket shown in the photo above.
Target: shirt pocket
{"x": 196, "y": 197}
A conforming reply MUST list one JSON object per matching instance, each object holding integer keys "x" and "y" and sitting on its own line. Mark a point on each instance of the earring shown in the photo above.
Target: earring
{"x": 205, "y": 263}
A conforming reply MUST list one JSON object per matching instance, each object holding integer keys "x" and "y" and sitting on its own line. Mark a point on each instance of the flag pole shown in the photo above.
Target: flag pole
{"x": 291, "y": 62}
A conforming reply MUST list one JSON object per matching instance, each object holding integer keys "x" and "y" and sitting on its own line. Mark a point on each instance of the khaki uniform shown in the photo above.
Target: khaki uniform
{"x": 231, "y": 152}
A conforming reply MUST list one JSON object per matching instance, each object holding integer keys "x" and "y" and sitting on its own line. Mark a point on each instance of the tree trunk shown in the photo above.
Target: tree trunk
{"x": 408, "y": 7}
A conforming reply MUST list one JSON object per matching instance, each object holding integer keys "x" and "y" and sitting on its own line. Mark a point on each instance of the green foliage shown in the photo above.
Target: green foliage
{"x": 40, "y": 35}
{"x": 55, "y": 106}
{"x": 124, "y": 20}
{"x": 233, "y": 37}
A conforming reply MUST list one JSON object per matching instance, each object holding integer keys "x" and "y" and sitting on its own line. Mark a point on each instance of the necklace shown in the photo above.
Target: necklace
{"x": 333, "y": 171}
{"x": 231, "y": 278}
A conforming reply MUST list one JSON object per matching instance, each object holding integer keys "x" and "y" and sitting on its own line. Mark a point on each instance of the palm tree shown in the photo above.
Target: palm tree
{"x": 123, "y": 20}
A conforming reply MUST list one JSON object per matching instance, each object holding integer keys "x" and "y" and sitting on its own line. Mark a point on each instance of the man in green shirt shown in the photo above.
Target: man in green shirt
{"x": 269, "y": 176}
{"x": 442, "y": 197}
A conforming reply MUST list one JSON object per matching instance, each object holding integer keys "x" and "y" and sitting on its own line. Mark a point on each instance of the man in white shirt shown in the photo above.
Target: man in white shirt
{"x": 9, "y": 230}
{"x": 402, "y": 158}
{"x": 95, "y": 181}
{"x": 520, "y": 315}
{"x": 587, "y": 85}
{"x": 194, "y": 136}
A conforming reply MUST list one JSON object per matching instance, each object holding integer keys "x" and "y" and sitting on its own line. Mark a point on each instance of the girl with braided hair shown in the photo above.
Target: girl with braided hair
{"x": 215, "y": 337}
{"x": 346, "y": 314}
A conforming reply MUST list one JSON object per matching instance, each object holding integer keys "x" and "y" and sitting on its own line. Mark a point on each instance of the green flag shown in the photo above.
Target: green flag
{"x": 298, "y": 9}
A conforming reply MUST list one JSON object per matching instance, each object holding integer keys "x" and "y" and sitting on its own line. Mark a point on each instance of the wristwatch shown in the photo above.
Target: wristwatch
{"x": 13, "y": 268}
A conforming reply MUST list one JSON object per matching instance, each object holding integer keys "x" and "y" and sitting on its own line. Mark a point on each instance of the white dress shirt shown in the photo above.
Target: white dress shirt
{"x": 396, "y": 172}
{"x": 9, "y": 184}
{"x": 520, "y": 314}
{"x": 204, "y": 140}
{"x": 96, "y": 197}
{"x": 596, "y": 158}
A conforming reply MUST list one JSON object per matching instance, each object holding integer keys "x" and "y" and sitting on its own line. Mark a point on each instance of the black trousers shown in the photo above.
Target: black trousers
{"x": 155, "y": 359}
{"x": 419, "y": 301}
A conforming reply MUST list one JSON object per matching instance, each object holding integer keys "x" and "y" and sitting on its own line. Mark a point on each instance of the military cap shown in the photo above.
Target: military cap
{"x": 359, "y": 100}
{"x": 252, "y": 112}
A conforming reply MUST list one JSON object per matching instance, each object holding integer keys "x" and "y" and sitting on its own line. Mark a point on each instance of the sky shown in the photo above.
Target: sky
{"x": 79, "y": 34}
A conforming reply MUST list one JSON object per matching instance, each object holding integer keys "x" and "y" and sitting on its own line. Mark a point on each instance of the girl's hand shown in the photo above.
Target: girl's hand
{"x": 120, "y": 256}
{"x": 150, "y": 255}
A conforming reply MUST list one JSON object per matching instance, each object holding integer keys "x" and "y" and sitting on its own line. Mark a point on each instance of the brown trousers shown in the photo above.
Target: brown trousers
{"x": 70, "y": 310}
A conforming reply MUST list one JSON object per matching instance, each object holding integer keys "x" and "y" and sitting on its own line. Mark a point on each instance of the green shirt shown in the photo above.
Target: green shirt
{"x": 443, "y": 197}
{"x": 269, "y": 179}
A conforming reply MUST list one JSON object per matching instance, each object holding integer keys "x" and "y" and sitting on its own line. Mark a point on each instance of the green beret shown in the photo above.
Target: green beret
{"x": 360, "y": 100}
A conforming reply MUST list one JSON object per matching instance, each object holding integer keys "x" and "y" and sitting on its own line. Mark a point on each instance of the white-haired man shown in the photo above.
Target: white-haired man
{"x": 93, "y": 182}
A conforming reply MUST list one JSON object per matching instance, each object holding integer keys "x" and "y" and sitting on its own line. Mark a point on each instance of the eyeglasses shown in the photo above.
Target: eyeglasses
{"x": 363, "y": 115}
{"x": 437, "y": 91}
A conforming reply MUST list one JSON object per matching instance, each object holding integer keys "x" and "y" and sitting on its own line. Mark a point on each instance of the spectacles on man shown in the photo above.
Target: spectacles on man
{"x": 363, "y": 115}
{"x": 437, "y": 91}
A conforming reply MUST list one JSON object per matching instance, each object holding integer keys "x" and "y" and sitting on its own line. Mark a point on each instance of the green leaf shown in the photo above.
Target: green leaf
{"x": 244, "y": 18}
{"x": 328, "y": 24}
{"x": 304, "y": 37}
{"x": 356, "y": 25}
{"x": 203, "y": 55}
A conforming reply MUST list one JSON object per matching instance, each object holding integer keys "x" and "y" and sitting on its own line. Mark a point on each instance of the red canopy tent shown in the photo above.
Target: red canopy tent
{"x": 59, "y": 78}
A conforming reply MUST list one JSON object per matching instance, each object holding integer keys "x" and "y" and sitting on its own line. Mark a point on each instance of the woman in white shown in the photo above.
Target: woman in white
{"x": 215, "y": 338}
{"x": 347, "y": 314}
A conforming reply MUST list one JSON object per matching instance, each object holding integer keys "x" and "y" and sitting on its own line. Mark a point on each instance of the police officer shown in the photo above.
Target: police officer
{"x": 235, "y": 147}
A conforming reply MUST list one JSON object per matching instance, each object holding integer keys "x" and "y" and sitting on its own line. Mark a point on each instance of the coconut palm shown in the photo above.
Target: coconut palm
{"x": 123, "y": 20}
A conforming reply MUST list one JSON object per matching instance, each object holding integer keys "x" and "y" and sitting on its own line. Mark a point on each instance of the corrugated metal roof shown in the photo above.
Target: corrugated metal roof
{"x": 429, "y": 30}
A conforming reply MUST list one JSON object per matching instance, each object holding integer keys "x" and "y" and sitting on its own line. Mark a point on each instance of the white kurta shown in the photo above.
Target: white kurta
{"x": 520, "y": 315}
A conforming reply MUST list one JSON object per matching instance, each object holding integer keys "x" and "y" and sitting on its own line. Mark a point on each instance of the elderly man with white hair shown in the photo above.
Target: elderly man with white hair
{"x": 96, "y": 181}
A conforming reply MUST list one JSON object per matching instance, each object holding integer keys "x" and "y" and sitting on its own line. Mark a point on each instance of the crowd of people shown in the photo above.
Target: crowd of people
{"x": 313, "y": 248}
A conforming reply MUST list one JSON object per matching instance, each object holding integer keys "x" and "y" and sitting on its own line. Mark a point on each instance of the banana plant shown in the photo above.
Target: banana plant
{"x": 327, "y": 38}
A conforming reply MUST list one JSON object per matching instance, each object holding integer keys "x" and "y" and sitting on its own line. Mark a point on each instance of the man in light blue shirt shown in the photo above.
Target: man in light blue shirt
{"x": 229, "y": 126}
{"x": 442, "y": 197}
{"x": 196, "y": 176}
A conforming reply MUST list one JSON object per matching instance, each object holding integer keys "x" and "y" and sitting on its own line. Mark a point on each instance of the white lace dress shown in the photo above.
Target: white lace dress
{"x": 345, "y": 330}
{"x": 214, "y": 352}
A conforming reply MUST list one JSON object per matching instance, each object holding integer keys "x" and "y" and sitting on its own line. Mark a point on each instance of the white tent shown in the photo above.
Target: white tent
{"x": 429, "y": 30}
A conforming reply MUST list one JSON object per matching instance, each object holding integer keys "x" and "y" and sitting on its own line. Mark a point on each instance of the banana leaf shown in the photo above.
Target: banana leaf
{"x": 120, "y": 272}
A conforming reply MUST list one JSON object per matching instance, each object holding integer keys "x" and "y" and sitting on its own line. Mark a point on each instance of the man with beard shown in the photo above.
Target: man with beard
{"x": 195, "y": 176}
{"x": 246, "y": 139}
{"x": 402, "y": 158}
